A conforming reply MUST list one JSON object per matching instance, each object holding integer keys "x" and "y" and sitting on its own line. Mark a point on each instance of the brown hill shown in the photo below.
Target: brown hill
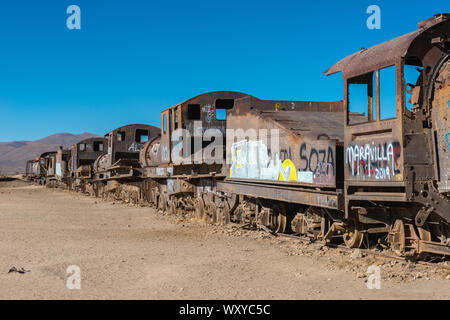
{"x": 13, "y": 155}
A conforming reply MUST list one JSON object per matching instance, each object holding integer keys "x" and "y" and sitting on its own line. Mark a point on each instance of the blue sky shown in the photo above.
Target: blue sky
{"x": 131, "y": 59}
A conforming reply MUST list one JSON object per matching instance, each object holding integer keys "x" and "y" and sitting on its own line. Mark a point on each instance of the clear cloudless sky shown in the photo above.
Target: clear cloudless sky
{"x": 131, "y": 59}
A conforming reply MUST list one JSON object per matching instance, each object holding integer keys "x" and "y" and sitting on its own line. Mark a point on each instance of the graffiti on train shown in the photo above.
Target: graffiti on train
{"x": 135, "y": 147}
{"x": 253, "y": 160}
{"x": 316, "y": 163}
{"x": 377, "y": 161}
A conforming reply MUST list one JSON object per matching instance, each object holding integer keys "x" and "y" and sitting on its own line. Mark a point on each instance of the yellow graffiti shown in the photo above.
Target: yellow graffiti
{"x": 293, "y": 172}
{"x": 238, "y": 152}
{"x": 277, "y": 106}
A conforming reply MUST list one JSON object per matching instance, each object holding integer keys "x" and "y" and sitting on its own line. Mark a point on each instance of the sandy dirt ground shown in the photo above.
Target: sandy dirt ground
{"x": 135, "y": 253}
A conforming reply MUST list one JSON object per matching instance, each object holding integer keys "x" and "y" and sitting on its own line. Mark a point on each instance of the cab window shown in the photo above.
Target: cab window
{"x": 388, "y": 96}
{"x": 360, "y": 98}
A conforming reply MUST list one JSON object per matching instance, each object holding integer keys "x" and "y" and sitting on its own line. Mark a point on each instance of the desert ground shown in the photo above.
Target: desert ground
{"x": 128, "y": 252}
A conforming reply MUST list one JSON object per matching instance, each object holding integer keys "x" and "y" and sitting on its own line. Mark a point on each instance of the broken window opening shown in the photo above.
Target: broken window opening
{"x": 98, "y": 146}
{"x": 388, "y": 95}
{"x": 141, "y": 136}
{"x": 175, "y": 118}
{"x": 193, "y": 112}
{"x": 121, "y": 136}
{"x": 412, "y": 76}
{"x": 222, "y": 105}
{"x": 360, "y": 99}
{"x": 164, "y": 120}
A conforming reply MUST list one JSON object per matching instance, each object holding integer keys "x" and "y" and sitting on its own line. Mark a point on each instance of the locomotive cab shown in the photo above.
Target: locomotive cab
{"x": 195, "y": 117}
{"x": 123, "y": 147}
{"x": 399, "y": 154}
{"x": 83, "y": 156}
{"x": 189, "y": 131}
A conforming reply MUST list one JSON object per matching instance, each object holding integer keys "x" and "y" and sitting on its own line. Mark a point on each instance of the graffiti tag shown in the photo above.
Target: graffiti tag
{"x": 253, "y": 160}
{"x": 135, "y": 147}
{"x": 378, "y": 161}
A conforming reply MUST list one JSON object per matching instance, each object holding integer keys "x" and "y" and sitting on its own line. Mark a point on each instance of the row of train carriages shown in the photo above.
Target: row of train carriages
{"x": 316, "y": 169}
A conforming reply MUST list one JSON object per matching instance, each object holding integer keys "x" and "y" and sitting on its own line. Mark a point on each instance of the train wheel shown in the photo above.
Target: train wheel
{"x": 199, "y": 208}
{"x": 162, "y": 202}
{"x": 278, "y": 219}
{"x": 226, "y": 217}
{"x": 353, "y": 238}
{"x": 172, "y": 207}
{"x": 404, "y": 239}
{"x": 232, "y": 202}
{"x": 211, "y": 213}
{"x": 396, "y": 237}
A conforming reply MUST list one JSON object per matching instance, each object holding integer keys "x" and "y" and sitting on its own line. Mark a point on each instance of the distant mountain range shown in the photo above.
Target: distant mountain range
{"x": 13, "y": 155}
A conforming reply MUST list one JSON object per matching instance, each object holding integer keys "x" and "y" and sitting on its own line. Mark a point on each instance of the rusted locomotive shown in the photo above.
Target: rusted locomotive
{"x": 117, "y": 172}
{"x": 372, "y": 167}
{"x": 41, "y": 169}
{"x": 397, "y": 166}
{"x": 183, "y": 166}
{"x": 80, "y": 163}
{"x": 31, "y": 169}
{"x": 394, "y": 165}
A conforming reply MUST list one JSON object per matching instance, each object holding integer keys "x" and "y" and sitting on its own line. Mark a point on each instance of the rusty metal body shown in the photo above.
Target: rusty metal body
{"x": 44, "y": 170}
{"x": 118, "y": 173}
{"x": 123, "y": 147}
{"x": 194, "y": 179}
{"x": 176, "y": 168}
{"x": 297, "y": 152}
{"x": 83, "y": 156}
{"x": 31, "y": 169}
{"x": 62, "y": 160}
{"x": 401, "y": 165}
{"x": 81, "y": 164}
{"x": 320, "y": 169}
{"x": 286, "y": 161}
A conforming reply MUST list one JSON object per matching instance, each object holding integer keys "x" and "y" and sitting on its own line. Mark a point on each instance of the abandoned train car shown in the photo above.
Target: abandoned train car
{"x": 394, "y": 164}
{"x": 397, "y": 160}
{"x": 44, "y": 167}
{"x": 184, "y": 165}
{"x": 81, "y": 165}
{"x": 117, "y": 172}
{"x": 374, "y": 166}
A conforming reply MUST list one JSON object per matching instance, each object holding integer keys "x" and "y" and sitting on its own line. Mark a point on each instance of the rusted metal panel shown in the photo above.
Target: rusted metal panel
{"x": 36, "y": 168}
{"x": 47, "y": 161}
{"x": 330, "y": 200}
{"x": 124, "y": 145}
{"x": 62, "y": 160}
{"x": 374, "y": 155}
{"x": 286, "y": 145}
{"x": 196, "y": 116}
{"x": 29, "y": 168}
{"x": 84, "y": 154}
{"x": 402, "y": 159}
{"x": 441, "y": 121}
